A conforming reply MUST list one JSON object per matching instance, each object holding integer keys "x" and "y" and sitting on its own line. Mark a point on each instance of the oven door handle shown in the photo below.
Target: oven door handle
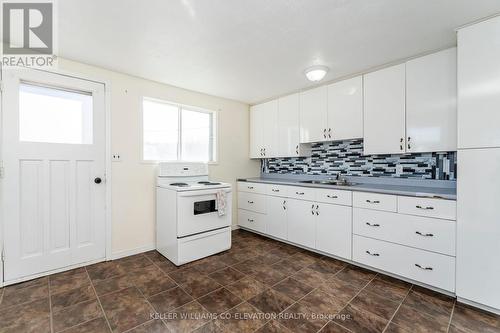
{"x": 201, "y": 192}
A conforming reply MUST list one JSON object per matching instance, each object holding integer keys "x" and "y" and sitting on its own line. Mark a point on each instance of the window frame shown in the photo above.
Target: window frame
{"x": 214, "y": 130}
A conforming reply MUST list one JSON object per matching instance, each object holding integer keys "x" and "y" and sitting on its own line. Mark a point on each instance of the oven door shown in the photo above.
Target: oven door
{"x": 197, "y": 211}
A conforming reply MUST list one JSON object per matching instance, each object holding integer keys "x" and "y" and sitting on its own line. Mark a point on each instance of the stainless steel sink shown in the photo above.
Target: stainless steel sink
{"x": 328, "y": 182}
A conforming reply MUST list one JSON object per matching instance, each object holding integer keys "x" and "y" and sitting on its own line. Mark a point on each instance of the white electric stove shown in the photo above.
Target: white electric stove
{"x": 189, "y": 225}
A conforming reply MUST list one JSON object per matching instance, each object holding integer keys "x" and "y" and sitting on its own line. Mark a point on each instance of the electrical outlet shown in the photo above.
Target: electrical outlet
{"x": 116, "y": 157}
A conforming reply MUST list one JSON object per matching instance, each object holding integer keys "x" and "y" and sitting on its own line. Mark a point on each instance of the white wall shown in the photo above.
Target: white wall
{"x": 133, "y": 182}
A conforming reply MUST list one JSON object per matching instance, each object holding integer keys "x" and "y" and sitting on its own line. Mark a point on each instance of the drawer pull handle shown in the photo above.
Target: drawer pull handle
{"x": 250, "y": 202}
{"x": 424, "y": 268}
{"x": 424, "y": 235}
{"x": 250, "y": 187}
{"x": 425, "y": 208}
{"x": 284, "y": 204}
{"x": 373, "y": 225}
{"x": 373, "y": 202}
{"x": 373, "y": 254}
{"x": 299, "y": 193}
{"x": 275, "y": 190}
{"x": 332, "y": 196}
{"x": 250, "y": 220}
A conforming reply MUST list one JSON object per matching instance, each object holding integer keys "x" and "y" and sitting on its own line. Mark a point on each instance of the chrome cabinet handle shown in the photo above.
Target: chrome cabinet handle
{"x": 284, "y": 204}
{"x": 250, "y": 220}
{"x": 424, "y": 268}
{"x": 372, "y": 225}
{"x": 312, "y": 209}
{"x": 317, "y": 210}
{"x": 250, "y": 202}
{"x": 424, "y": 208}
{"x": 275, "y": 190}
{"x": 401, "y": 144}
{"x": 332, "y": 196}
{"x": 424, "y": 235}
{"x": 373, "y": 254}
{"x": 250, "y": 187}
{"x": 300, "y": 193}
{"x": 330, "y": 133}
{"x": 297, "y": 149}
{"x": 373, "y": 202}
{"x": 324, "y": 133}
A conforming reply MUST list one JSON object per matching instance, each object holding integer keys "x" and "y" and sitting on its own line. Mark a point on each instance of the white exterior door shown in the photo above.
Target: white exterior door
{"x": 276, "y": 217}
{"x": 53, "y": 190}
{"x": 384, "y": 111}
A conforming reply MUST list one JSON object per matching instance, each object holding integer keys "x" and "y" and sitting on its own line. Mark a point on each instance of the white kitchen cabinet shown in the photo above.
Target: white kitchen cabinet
{"x": 431, "y": 102}
{"x": 314, "y": 115}
{"x": 384, "y": 111}
{"x": 478, "y": 85}
{"x": 334, "y": 229}
{"x": 301, "y": 222}
{"x": 345, "y": 109}
{"x": 478, "y": 226}
{"x": 288, "y": 128}
{"x": 263, "y": 129}
{"x": 276, "y": 217}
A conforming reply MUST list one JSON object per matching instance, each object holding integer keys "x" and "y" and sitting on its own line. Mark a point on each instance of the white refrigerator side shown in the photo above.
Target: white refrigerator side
{"x": 478, "y": 227}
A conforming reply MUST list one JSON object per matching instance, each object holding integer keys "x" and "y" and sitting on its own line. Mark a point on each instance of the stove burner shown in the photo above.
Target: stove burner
{"x": 179, "y": 184}
{"x": 208, "y": 183}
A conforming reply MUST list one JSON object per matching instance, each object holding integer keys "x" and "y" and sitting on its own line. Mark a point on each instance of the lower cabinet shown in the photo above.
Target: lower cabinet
{"x": 301, "y": 218}
{"x": 276, "y": 225}
{"x": 252, "y": 220}
{"x": 334, "y": 230}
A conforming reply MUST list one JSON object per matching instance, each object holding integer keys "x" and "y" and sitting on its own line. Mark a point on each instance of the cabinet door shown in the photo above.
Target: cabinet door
{"x": 384, "y": 111}
{"x": 478, "y": 81}
{"x": 345, "y": 109}
{"x": 269, "y": 122}
{"x": 288, "y": 126}
{"x": 313, "y": 115}
{"x": 256, "y": 131}
{"x": 301, "y": 221}
{"x": 276, "y": 217}
{"x": 333, "y": 230}
{"x": 431, "y": 102}
{"x": 478, "y": 226}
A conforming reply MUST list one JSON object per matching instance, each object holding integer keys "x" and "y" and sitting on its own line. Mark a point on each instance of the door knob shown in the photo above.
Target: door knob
{"x": 97, "y": 180}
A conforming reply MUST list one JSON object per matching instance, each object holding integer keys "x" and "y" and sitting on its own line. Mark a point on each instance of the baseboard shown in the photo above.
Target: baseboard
{"x": 235, "y": 227}
{"x": 131, "y": 252}
{"x": 478, "y": 305}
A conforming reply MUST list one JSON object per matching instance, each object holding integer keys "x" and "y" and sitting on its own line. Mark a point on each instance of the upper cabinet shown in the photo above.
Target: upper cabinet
{"x": 313, "y": 115}
{"x": 478, "y": 85}
{"x": 263, "y": 129}
{"x": 412, "y": 107}
{"x": 288, "y": 126}
{"x": 345, "y": 109}
{"x": 431, "y": 102}
{"x": 384, "y": 111}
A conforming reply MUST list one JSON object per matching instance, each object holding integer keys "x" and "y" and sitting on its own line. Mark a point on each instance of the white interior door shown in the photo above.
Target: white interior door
{"x": 53, "y": 190}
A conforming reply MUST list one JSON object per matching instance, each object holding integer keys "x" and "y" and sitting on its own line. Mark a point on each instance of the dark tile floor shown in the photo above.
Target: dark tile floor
{"x": 260, "y": 285}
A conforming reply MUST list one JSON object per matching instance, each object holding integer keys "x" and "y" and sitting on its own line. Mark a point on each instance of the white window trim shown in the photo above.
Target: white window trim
{"x": 180, "y": 107}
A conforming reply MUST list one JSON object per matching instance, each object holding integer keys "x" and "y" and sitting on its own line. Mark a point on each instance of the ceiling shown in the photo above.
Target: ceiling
{"x": 252, "y": 50}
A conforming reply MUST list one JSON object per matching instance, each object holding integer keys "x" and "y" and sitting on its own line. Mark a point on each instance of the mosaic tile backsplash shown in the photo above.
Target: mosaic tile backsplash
{"x": 346, "y": 158}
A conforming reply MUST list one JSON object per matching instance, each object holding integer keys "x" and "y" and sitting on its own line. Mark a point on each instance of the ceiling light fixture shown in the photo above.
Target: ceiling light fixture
{"x": 316, "y": 73}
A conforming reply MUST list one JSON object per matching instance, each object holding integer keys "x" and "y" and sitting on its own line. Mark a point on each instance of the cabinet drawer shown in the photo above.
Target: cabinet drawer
{"x": 338, "y": 197}
{"x": 430, "y": 268}
{"x": 252, "y": 187}
{"x": 302, "y": 193}
{"x": 375, "y": 201}
{"x": 277, "y": 190}
{"x": 421, "y": 232}
{"x": 443, "y": 209}
{"x": 252, "y": 201}
{"x": 252, "y": 220}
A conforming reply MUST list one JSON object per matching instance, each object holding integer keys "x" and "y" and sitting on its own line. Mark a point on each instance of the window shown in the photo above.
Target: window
{"x": 177, "y": 133}
{"x": 54, "y": 115}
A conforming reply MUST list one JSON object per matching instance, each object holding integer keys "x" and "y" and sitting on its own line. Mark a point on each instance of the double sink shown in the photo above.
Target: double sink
{"x": 328, "y": 182}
